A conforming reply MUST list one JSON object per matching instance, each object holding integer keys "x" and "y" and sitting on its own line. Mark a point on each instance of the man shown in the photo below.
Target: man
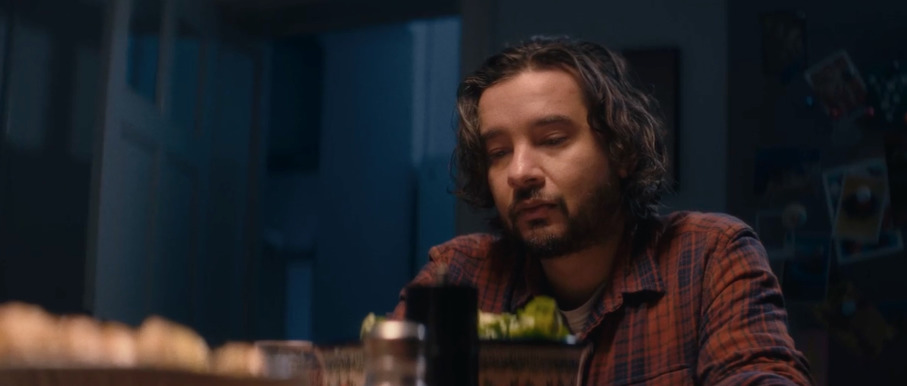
{"x": 555, "y": 136}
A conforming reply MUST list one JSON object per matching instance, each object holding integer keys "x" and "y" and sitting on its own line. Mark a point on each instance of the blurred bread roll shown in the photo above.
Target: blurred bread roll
{"x": 119, "y": 345}
{"x": 238, "y": 360}
{"x": 28, "y": 337}
{"x": 167, "y": 345}
{"x": 81, "y": 341}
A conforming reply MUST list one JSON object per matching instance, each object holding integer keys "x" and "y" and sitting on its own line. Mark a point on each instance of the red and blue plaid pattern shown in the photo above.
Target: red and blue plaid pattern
{"x": 699, "y": 306}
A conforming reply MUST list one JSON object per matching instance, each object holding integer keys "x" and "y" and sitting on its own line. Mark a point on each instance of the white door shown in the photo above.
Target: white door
{"x": 169, "y": 195}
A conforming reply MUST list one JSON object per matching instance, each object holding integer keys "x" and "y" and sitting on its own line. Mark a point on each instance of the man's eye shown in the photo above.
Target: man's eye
{"x": 554, "y": 141}
{"x": 496, "y": 154}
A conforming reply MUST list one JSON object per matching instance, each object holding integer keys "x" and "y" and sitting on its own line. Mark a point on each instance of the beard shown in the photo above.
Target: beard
{"x": 590, "y": 223}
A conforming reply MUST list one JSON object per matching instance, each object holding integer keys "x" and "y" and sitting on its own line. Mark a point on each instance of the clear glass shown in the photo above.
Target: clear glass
{"x": 389, "y": 370}
{"x": 395, "y": 354}
{"x": 296, "y": 360}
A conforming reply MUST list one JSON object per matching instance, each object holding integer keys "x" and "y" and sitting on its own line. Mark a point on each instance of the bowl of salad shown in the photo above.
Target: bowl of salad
{"x": 530, "y": 346}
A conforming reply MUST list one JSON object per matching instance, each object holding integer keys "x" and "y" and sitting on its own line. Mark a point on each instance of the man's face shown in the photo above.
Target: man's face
{"x": 551, "y": 180}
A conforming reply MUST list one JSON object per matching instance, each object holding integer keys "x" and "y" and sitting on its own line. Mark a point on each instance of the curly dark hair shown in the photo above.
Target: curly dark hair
{"x": 625, "y": 118}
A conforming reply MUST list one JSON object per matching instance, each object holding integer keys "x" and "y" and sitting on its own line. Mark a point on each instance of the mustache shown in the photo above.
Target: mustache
{"x": 524, "y": 194}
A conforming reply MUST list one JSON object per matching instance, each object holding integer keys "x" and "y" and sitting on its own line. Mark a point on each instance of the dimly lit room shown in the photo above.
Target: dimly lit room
{"x": 453, "y": 192}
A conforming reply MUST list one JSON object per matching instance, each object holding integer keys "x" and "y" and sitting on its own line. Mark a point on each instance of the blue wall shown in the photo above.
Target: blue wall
{"x": 364, "y": 237}
{"x": 437, "y": 74}
{"x": 360, "y": 138}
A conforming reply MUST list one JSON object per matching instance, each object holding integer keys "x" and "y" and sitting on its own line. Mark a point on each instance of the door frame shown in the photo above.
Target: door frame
{"x": 114, "y": 83}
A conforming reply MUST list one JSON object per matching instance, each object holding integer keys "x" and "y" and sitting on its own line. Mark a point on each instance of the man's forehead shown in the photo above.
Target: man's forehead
{"x": 541, "y": 99}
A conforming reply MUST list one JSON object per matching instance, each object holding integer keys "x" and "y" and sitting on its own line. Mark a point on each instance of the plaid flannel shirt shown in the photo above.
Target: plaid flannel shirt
{"x": 700, "y": 306}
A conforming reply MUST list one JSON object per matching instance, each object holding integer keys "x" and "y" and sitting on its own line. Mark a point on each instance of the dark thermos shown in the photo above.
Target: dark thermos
{"x": 450, "y": 315}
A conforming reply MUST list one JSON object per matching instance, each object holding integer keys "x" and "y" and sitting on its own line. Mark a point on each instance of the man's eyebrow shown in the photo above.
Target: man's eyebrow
{"x": 551, "y": 120}
{"x": 491, "y": 133}
{"x": 547, "y": 120}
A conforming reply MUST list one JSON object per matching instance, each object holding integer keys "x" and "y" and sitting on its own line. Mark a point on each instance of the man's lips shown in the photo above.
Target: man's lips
{"x": 533, "y": 208}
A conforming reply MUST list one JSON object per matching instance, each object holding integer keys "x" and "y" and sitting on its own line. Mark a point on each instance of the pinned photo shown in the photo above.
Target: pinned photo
{"x": 861, "y": 208}
{"x": 783, "y": 43}
{"x": 848, "y": 251}
{"x": 847, "y": 190}
{"x": 837, "y": 84}
{"x": 833, "y": 180}
{"x": 887, "y": 87}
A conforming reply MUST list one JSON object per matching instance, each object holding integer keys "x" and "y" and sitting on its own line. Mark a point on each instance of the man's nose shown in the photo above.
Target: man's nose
{"x": 524, "y": 171}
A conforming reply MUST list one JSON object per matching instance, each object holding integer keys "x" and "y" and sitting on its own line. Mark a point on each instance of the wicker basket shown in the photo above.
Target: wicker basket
{"x": 501, "y": 363}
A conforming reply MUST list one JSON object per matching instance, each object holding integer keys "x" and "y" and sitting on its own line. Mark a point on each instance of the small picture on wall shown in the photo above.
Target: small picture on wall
{"x": 837, "y": 84}
{"x": 887, "y": 87}
{"x": 833, "y": 180}
{"x": 890, "y": 240}
{"x": 783, "y": 43}
{"x": 861, "y": 208}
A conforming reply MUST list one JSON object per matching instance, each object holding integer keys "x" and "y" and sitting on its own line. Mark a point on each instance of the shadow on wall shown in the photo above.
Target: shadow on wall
{"x": 50, "y": 99}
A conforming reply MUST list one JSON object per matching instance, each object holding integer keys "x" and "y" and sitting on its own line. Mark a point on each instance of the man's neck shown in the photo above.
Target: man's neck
{"x": 574, "y": 278}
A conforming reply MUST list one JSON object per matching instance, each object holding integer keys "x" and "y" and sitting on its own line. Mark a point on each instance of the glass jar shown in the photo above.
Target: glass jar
{"x": 291, "y": 360}
{"x": 395, "y": 354}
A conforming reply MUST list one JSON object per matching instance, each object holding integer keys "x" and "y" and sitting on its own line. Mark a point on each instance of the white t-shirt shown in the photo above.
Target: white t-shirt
{"x": 577, "y": 317}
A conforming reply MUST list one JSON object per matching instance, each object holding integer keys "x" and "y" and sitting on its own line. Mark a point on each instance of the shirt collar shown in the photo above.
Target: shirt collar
{"x": 642, "y": 274}
{"x": 530, "y": 282}
{"x": 635, "y": 275}
{"x": 632, "y": 275}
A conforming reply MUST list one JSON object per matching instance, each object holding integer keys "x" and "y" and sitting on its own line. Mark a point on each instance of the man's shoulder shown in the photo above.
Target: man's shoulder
{"x": 476, "y": 246}
{"x": 692, "y": 241}
{"x": 684, "y": 222}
